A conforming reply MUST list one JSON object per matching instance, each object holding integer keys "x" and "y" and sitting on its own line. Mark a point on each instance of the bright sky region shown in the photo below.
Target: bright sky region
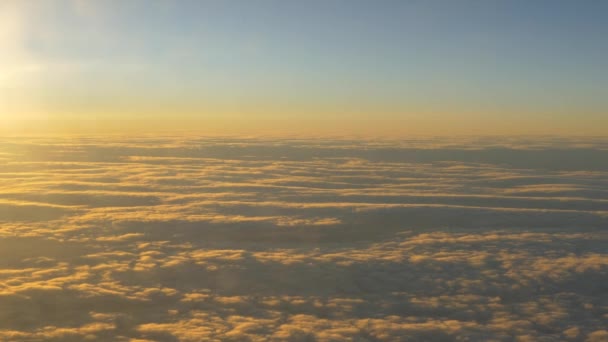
{"x": 371, "y": 67}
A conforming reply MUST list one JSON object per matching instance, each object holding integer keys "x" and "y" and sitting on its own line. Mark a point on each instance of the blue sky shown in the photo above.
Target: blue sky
{"x": 462, "y": 61}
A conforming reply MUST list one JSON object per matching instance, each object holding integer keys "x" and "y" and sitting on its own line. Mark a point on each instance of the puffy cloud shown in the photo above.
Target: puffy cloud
{"x": 167, "y": 238}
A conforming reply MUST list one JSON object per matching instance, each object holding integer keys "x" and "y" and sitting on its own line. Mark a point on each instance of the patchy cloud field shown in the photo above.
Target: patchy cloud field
{"x": 203, "y": 239}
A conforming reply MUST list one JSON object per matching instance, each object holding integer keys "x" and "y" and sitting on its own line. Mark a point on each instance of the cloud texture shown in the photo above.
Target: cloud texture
{"x": 191, "y": 239}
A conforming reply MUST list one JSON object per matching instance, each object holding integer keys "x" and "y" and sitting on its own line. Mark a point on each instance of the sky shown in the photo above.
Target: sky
{"x": 312, "y": 67}
{"x": 286, "y": 215}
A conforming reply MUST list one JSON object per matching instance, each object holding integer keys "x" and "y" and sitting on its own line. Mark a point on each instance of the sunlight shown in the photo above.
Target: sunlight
{"x": 11, "y": 44}
{"x": 303, "y": 170}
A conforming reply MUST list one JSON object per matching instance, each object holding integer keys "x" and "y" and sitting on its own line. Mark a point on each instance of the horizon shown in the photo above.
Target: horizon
{"x": 303, "y": 170}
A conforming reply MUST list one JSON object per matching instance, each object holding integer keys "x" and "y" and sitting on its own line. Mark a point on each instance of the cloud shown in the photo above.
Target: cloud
{"x": 168, "y": 238}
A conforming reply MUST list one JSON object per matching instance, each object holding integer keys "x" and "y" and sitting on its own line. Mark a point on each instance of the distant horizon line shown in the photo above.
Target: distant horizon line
{"x": 394, "y": 128}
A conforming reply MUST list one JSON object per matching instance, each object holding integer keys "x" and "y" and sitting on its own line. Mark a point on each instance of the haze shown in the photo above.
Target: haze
{"x": 329, "y": 67}
{"x": 269, "y": 170}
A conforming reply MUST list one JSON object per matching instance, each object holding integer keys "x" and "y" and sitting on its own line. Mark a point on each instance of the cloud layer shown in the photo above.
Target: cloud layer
{"x": 190, "y": 239}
